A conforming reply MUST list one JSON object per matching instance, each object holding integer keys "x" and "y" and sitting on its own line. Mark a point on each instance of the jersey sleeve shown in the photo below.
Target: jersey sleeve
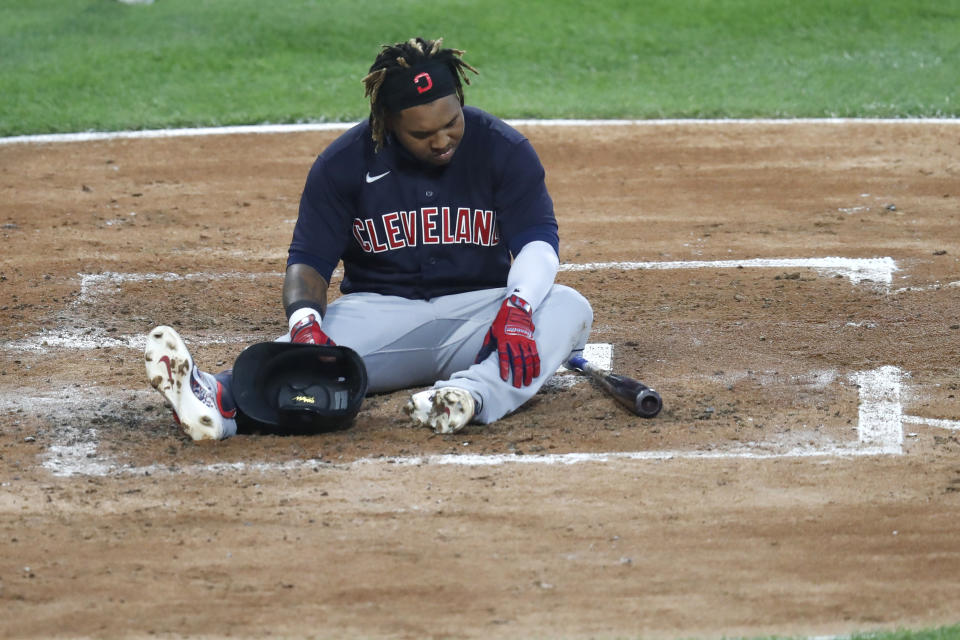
{"x": 322, "y": 231}
{"x": 524, "y": 205}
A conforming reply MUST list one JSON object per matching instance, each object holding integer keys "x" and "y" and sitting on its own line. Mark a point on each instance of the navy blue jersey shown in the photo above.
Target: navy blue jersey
{"x": 409, "y": 229}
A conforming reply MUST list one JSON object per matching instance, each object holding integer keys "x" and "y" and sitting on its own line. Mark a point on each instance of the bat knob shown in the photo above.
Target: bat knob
{"x": 576, "y": 363}
{"x": 648, "y": 403}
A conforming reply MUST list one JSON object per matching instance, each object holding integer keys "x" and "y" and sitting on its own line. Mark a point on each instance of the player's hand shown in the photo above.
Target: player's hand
{"x": 308, "y": 331}
{"x": 511, "y": 334}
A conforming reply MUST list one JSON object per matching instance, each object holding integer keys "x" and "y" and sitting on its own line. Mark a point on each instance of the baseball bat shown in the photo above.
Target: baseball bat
{"x": 633, "y": 394}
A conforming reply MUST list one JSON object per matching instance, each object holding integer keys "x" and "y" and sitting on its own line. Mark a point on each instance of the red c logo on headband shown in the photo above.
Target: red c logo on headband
{"x": 423, "y": 81}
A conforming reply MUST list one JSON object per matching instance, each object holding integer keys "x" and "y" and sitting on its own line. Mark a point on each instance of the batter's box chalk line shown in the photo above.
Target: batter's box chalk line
{"x": 876, "y": 270}
{"x": 879, "y": 432}
{"x": 94, "y": 286}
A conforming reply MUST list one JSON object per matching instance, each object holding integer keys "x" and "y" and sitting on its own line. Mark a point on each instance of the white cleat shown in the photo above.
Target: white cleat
{"x": 445, "y": 410}
{"x": 195, "y": 396}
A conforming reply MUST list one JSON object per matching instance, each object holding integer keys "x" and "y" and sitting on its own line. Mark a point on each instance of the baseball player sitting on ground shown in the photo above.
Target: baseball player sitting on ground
{"x": 449, "y": 244}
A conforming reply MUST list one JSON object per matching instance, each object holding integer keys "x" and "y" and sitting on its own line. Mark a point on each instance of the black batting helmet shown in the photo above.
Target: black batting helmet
{"x": 299, "y": 388}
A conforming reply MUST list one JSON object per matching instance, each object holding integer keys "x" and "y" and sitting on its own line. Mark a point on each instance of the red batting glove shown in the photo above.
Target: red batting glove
{"x": 308, "y": 331}
{"x": 511, "y": 334}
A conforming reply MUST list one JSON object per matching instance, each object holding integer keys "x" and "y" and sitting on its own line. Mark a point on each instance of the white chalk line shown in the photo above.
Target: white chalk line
{"x": 879, "y": 432}
{"x": 98, "y": 283}
{"x": 880, "y": 417}
{"x": 483, "y": 460}
{"x": 939, "y": 423}
{"x": 93, "y": 285}
{"x": 75, "y": 449}
{"x": 92, "y": 136}
{"x": 857, "y": 270}
{"x": 936, "y": 286}
{"x": 880, "y": 414}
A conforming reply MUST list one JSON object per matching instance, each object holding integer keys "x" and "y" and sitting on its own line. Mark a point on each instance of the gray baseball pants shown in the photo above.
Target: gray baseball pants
{"x": 409, "y": 343}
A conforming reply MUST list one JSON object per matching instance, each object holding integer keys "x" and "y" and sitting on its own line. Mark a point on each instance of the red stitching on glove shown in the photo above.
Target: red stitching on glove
{"x": 511, "y": 335}
{"x": 308, "y": 331}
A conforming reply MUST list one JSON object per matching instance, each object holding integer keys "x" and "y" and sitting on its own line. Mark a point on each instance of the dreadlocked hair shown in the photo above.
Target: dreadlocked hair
{"x": 404, "y": 55}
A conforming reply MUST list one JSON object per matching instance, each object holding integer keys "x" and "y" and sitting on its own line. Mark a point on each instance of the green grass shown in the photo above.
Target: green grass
{"x": 940, "y": 633}
{"x": 76, "y": 65}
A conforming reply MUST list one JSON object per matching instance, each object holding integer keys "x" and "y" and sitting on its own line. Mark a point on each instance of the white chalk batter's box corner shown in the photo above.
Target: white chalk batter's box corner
{"x": 880, "y": 422}
{"x": 875, "y": 272}
{"x": 880, "y": 417}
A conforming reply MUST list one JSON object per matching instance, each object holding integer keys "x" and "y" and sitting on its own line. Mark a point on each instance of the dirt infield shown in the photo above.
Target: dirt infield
{"x": 791, "y": 289}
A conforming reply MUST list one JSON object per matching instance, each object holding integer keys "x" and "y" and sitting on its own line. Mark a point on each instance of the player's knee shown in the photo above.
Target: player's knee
{"x": 571, "y": 303}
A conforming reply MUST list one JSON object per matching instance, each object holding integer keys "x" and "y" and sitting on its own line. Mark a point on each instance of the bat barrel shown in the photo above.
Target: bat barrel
{"x": 648, "y": 403}
{"x": 633, "y": 394}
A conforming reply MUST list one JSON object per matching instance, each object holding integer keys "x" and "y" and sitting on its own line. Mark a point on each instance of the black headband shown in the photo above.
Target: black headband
{"x": 416, "y": 85}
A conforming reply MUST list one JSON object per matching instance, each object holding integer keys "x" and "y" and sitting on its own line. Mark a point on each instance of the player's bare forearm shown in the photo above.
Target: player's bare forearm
{"x": 302, "y": 283}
